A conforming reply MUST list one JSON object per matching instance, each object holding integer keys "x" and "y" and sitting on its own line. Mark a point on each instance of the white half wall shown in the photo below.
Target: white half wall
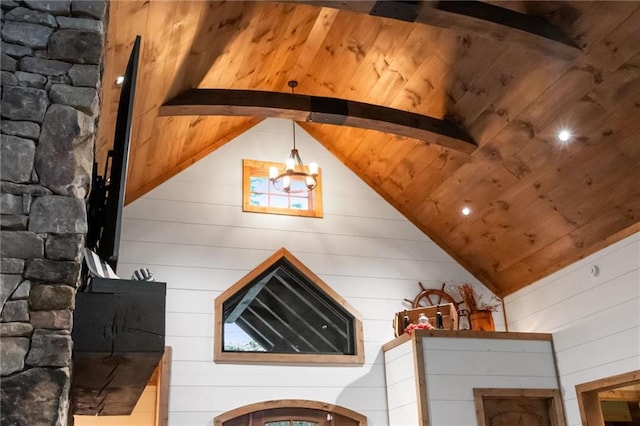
{"x": 594, "y": 319}
{"x": 454, "y": 366}
{"x": 191, "y": 232}
{"x": 402, "y": 390}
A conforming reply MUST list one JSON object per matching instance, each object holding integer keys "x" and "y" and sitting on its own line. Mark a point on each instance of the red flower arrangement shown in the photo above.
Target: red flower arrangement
{"x": 425, "y": 326}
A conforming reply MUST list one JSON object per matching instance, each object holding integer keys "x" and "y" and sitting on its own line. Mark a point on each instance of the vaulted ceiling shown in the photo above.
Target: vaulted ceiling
{"x": 509, "y": 75}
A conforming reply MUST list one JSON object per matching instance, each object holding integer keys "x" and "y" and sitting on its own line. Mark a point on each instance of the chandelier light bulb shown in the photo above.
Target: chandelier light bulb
{"x": 466, "y": 211}
{"x": 286, "y": 183}
{"x": 290, "y": 163}
{"x": 310, "y": 182}
{"x": 313, "y": 168}
{"x": 273, "y": 172}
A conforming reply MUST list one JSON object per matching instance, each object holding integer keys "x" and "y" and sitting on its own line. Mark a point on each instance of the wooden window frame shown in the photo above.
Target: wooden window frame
{"x": 289, "y": 403}
{"x": 261, "y": 168}
{"x": 280, "y": 358}
{"x": 553, "y": 395}
{"x": 589, "y": 400}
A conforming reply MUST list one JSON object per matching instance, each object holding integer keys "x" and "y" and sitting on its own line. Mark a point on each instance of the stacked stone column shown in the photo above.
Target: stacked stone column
{"x": 51, "y": 65}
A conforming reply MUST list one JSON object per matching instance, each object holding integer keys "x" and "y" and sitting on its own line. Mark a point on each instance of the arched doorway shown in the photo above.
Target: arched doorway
{"x": 290, "y": 412}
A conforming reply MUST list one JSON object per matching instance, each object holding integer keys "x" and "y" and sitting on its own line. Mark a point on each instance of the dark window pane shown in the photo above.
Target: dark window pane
{"x": 283, "y": 311}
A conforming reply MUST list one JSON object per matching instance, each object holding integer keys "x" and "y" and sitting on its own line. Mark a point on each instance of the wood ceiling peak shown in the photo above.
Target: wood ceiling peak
{"x": 536, "y": 205}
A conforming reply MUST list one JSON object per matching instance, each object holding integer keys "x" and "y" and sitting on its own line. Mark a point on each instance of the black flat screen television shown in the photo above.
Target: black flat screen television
{"x": 106, "y": 200}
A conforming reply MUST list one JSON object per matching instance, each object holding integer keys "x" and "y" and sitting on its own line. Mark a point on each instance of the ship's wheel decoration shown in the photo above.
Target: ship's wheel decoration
{"x": 432, "y": 297}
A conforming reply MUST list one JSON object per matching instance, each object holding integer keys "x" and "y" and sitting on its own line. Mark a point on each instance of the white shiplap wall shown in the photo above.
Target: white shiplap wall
{"x": 191, "y": 232}
{"x": 455, "y": 366}
{"x": 595, "y": 320}
{"x": 402, "y": 391}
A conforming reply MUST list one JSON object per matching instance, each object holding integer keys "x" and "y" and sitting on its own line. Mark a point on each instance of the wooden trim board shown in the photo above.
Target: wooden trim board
{"x": 589, "y": 400}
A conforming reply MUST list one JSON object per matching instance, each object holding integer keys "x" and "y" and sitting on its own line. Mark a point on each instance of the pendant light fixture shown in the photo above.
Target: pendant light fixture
{"x": 296, "y": 177}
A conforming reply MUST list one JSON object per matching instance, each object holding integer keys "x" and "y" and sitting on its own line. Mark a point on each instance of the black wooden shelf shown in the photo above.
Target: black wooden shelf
{"x": 118, "y": 336}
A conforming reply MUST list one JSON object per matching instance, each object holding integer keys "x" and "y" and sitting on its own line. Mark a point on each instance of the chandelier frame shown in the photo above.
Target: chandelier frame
{"x": 295, "y": 168}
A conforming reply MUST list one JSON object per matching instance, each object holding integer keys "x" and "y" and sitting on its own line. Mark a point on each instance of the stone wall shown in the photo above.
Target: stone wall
{"x": 51, "y": 66}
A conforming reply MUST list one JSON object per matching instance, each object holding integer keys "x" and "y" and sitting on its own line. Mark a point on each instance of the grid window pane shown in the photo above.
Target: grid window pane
{"x": 259, "y": 184}
{"x": 261, "y": 200}
{"x": 260, "y": 194}
{"x": 300, "y": 203}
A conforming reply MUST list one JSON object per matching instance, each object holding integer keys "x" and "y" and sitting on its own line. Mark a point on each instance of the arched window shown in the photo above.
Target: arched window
{"x": 282, "y": 312}
{"x": 290, "y": 412}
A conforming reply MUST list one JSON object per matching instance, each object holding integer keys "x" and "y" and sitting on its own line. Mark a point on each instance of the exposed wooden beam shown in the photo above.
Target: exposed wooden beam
{"x": 483, "y": 19}
{"x": 319, "y": 110}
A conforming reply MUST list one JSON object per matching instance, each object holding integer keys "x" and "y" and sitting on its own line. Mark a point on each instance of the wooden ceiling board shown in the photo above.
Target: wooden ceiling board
{"x": 537, "y": 205}
{"x": 620, "y": 45}
{"x": 315, "y": 40}
{"x": 508, "y": 105}
{"x": 587, "y": 23}
{"x": 468, "y": 56}
{"x": 121, "y": 36}
{"x": 218, "y": 25}
{"x": 408, "y": 172}
{"x": 387, "y": 154}
{"x": 344, "y": 49}
{"x": 513, "y": 64}
{"x": 422, "y": 170}
{"x": 225, "y": 27}
{"x": 267, "y": 66}
{"x": 425, "y": 91}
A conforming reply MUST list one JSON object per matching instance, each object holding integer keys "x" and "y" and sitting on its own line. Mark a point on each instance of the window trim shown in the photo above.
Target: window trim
{"x": 289, "y": 403}
{"x": 552, "y": 396}
{"x": 249, "y": 166}
{"x": 589, "y": 400}
{"x": 259, "y": 358}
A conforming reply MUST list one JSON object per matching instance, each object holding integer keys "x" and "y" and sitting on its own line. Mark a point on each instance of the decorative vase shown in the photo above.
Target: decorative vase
{"x": 482, "y": 321}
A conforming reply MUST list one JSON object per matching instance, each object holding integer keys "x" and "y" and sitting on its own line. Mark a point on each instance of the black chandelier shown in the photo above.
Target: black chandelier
{"x": 295, "y": 171}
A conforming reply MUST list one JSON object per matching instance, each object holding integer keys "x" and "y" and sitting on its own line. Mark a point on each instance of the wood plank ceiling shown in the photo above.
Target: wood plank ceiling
{"x": 537, "y": 204}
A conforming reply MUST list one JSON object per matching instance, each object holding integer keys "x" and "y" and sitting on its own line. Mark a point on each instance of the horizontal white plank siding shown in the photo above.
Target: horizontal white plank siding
{"x": 194, "y": 398}
{"x": 595, "y": 320}
{"x": 219, "y": 236}
{"x": 191, "y": 232}
{"x": 454, "y": 366}
{"x": 401, "y": 385}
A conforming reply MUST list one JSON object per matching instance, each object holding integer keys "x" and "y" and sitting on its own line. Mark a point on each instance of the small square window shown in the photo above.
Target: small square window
{"x": 259, "y": 194}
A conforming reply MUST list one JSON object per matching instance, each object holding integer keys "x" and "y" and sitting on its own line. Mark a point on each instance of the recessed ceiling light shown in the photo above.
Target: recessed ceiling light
{"x": 564, "y": 135}
{"x": 119, "y": 79}
{"x": 466, "y": 211}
